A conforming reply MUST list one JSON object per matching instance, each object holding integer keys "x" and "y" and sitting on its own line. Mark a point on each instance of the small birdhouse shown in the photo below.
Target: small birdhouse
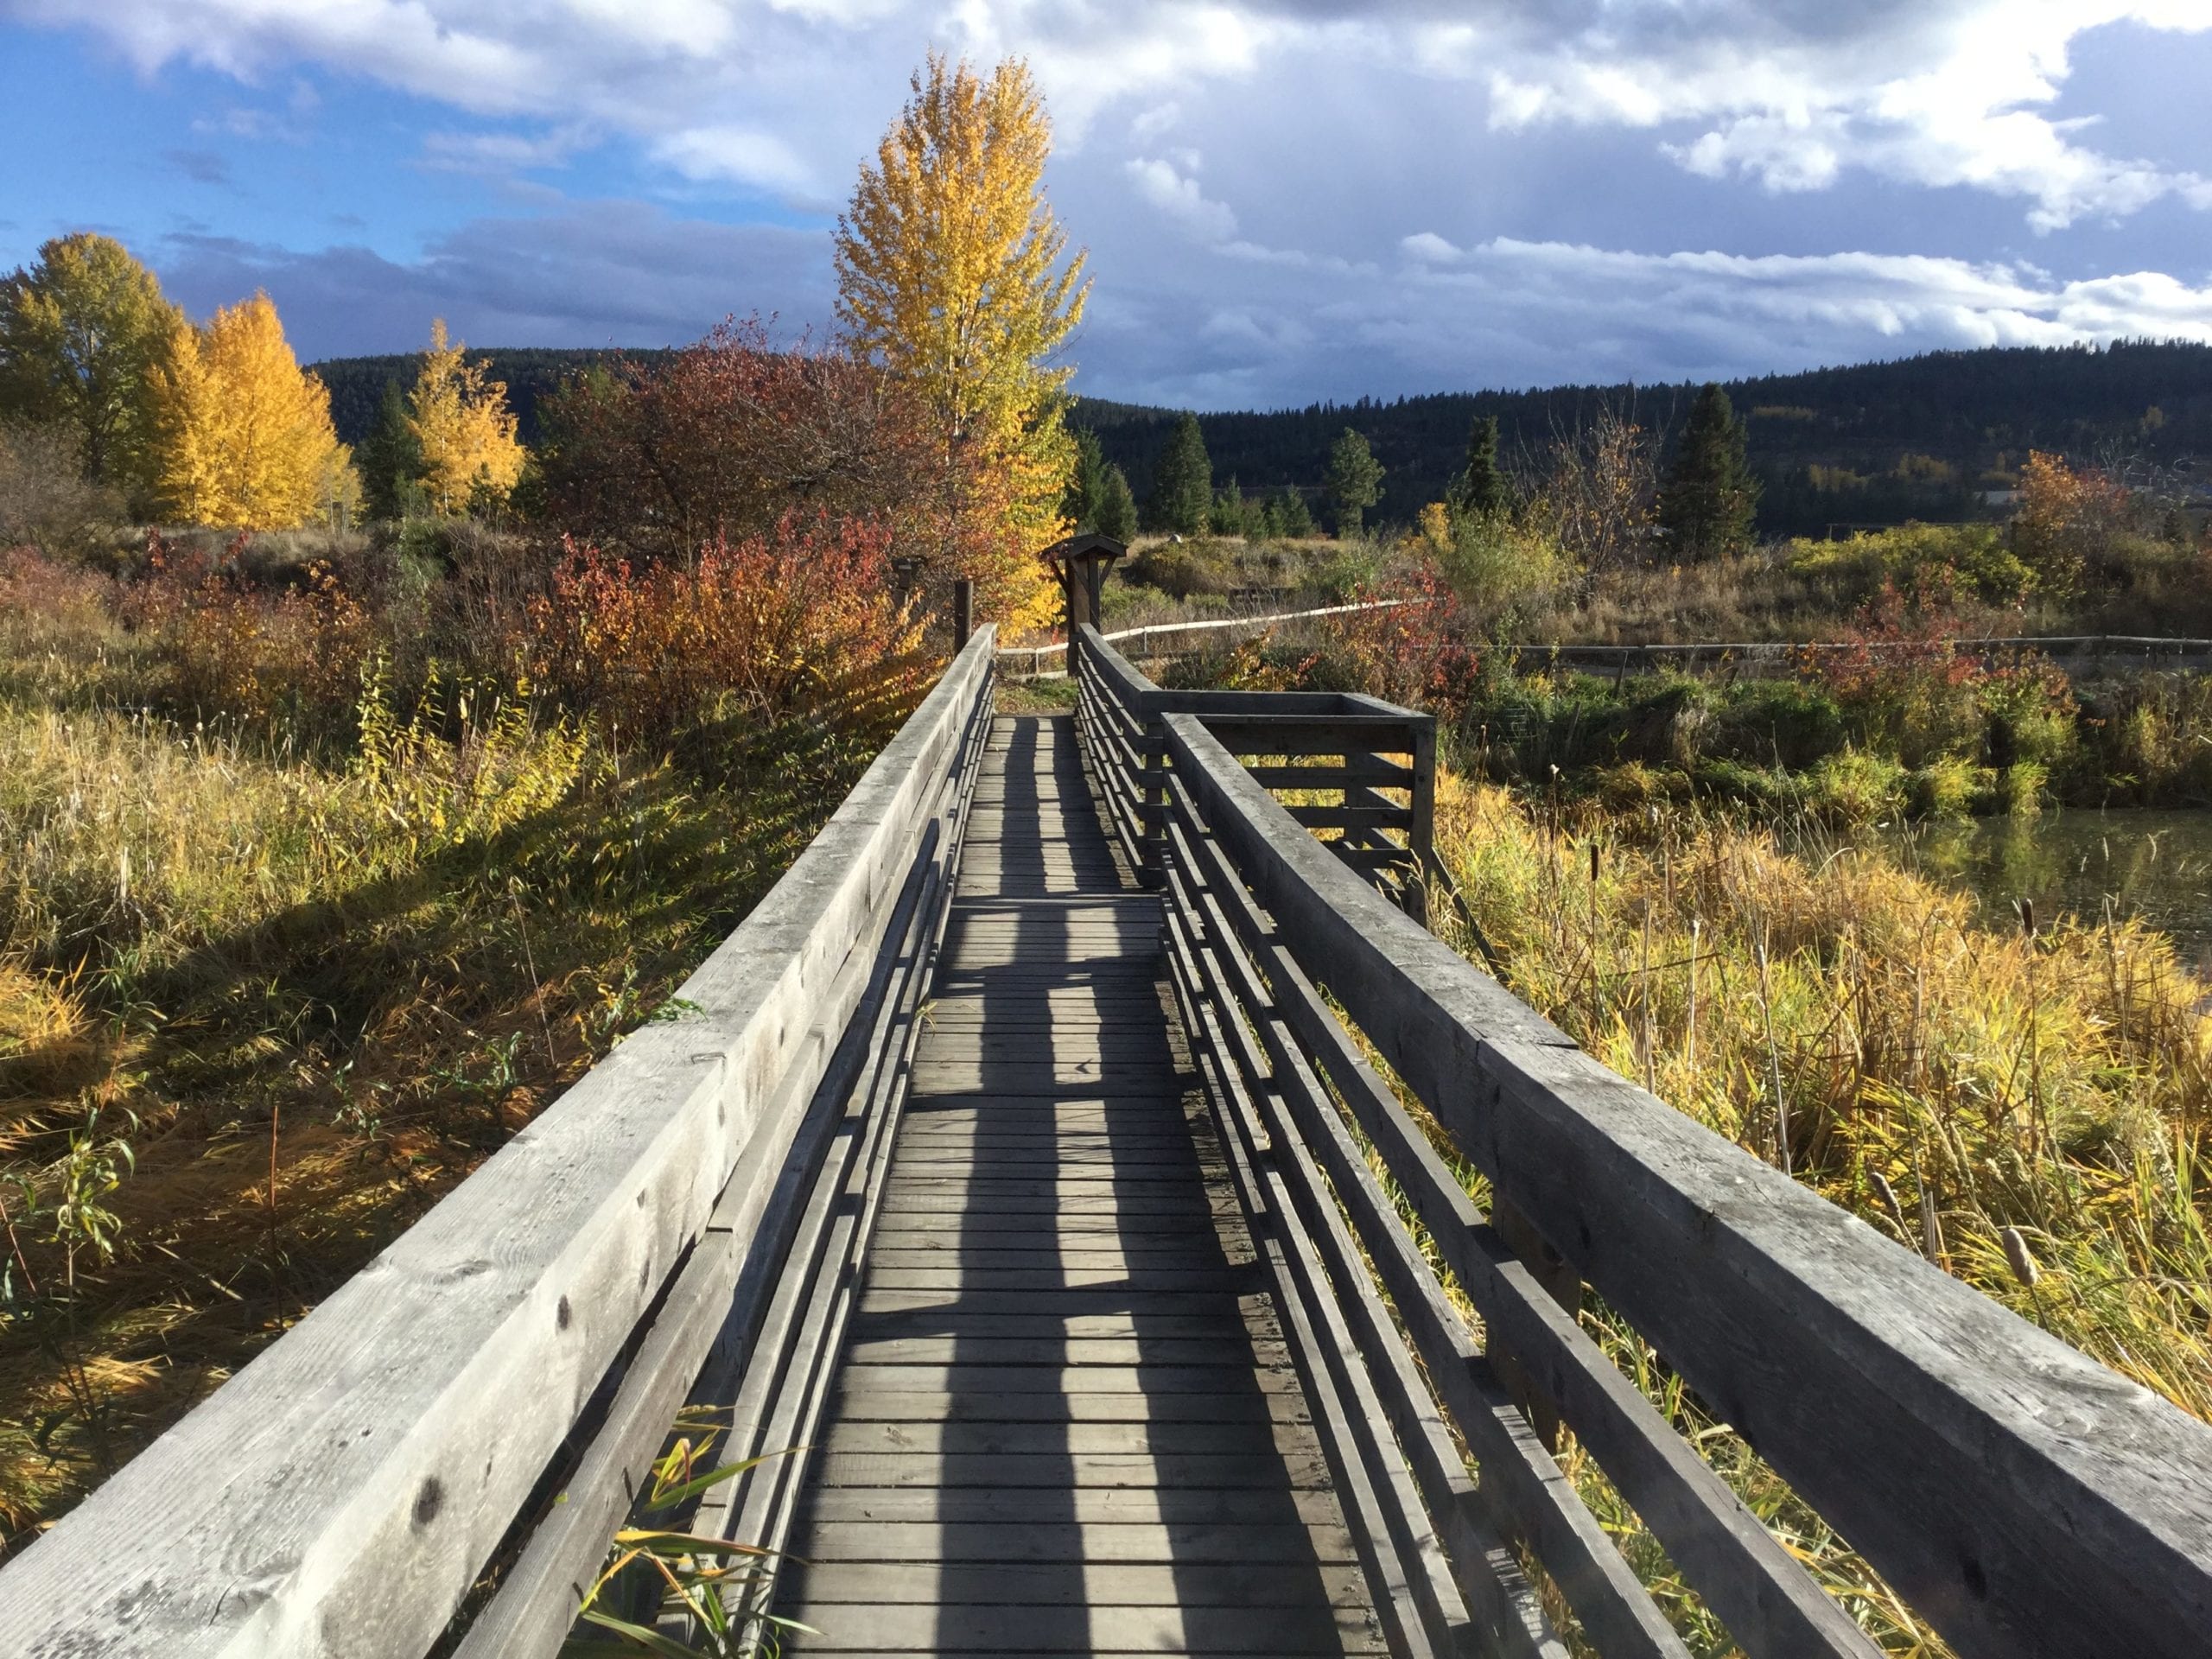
{"x": 1081, "y": 563}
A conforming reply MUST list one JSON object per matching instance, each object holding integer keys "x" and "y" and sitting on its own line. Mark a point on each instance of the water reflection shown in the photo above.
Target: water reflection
{"x": 2150, "y": 863}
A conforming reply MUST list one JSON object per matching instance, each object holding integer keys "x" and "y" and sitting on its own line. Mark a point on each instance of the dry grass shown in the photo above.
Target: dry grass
{"x": 1855, "y": 1026}
{"x": 263, "y": 1000}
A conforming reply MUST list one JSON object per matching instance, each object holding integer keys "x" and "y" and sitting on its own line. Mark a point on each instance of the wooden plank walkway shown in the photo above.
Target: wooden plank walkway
{"x": 1066, "y": 1421}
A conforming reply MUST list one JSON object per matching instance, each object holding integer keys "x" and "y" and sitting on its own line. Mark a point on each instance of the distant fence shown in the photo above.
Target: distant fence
{"x": 2094, "y": 653}
{"x": 2098, "y": 652}
{"x": 1028, "y": 662}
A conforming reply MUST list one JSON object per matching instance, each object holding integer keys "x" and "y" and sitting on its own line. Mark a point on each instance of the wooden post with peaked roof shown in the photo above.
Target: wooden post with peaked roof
{"x": 1081, "y": 563}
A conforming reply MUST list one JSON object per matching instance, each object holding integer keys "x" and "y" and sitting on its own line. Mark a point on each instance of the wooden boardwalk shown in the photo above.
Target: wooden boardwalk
{"x": 1066, "y": 1420}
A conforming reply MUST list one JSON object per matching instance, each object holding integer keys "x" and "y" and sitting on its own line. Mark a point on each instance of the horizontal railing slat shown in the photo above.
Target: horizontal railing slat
{"x": 2024, "y": 1498}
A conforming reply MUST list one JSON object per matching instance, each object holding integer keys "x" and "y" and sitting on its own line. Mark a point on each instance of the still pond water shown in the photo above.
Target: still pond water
{"x": 2154, "y": 864}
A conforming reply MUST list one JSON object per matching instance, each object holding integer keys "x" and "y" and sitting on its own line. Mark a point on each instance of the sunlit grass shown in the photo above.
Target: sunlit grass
{"x": 263, "y": 1002}
{"x": 1950, "y": 1083}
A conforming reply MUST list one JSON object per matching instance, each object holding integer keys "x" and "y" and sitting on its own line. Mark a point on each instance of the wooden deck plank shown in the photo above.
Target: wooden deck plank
{"x": 1042, "y": 1407}
{"x": 1065, "y": 1419}
{"x": 985, "y": 1628}
{"x": 1232, "y": 1583}
{"x": 951, "y": 1440}
{"x": 1197, "y": 1545}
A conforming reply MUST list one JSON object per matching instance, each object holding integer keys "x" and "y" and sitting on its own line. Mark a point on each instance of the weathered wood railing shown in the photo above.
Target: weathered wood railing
{"x": 436, "y": 1457}
{"x": 2023, "y": 1499}
{"x": 1378, "y": 759}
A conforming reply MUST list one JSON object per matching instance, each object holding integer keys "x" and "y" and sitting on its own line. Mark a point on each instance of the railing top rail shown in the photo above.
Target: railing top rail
{"x": 2022, "y": 1497}
{"x": 342, "y": 1492}
{"x": 1136, "y": 687}
{"x": 1214, "y": 623}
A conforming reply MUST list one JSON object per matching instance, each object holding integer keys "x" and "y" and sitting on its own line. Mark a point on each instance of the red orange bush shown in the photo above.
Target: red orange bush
{"x": 234, "y": 647}
{"x": 801, "y": 621}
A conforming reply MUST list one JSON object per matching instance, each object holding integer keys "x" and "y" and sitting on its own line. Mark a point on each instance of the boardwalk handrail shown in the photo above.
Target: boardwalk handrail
{"x": 487, "y": 1393}
{"x": 1036, "y": 654}
{"x": 2022, "y": 1498}
{"x": 1377, "y": 759}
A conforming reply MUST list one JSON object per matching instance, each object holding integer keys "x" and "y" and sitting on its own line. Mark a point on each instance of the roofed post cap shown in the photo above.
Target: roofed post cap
{"x": 1085, "y": 547}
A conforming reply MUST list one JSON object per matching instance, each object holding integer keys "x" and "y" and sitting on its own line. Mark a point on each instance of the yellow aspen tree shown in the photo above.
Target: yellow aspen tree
{"x": 462, "y": 424}
{"x": 952, "y": 273}
{"x": 243, "y": 434}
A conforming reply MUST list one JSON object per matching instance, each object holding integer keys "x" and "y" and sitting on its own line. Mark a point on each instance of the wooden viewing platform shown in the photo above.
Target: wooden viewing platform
{"x": 1063, "y": 1187}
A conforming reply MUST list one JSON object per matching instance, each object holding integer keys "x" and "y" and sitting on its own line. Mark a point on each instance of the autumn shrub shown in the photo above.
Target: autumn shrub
{"x": 45, "y": 502}
{"x": 723, "y": 441}
{"x": 235, "y": 649}
{"x": 2072, "y": 522}
{"x": 1970, "y": 560}
{"x": 802, "y": 619}
{"x": 1186, "y": 570}
{"x": 1492, "y": 562}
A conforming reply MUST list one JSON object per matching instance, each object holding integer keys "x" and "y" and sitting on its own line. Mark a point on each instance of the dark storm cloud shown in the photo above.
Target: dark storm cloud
{"x": 596, "y": 273}
{"x": 1283, "y": 199}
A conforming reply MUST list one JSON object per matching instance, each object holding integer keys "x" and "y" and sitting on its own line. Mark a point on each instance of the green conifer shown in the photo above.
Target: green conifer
{"x": 1354, "y": 482}
{"x": 1114, "y": 512}
{"x": 1182, "y": 490}
{"x": 1480, "y": 490}
{"x": 1706, "y": 505}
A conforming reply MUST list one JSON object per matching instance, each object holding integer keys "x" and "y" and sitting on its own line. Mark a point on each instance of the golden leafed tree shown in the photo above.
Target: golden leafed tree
{"x": 242, "y": 432}
{"x": 952, "y": 273}
{"x": 462, "y": 426}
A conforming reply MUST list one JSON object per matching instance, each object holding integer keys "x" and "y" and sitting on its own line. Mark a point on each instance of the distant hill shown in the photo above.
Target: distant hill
{"x": 1876, "y": 444}
{"x": 357, "y": 382}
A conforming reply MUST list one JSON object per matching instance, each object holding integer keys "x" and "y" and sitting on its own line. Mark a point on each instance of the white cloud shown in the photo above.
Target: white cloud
{"x": 1792, "y": 94}
{"x": 1178, "y": 196}
{"x": 738, "y": 154}
{"x": 1940, "y": 92}
{"x": 1806, "y": 300}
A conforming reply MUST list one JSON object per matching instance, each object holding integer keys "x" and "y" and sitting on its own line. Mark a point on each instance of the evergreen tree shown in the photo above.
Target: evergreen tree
{"x": 1479, "y": 492}
{"x": 1086, "y": 484}
{"x": 1289, "y": 516}
{"x": 1707, "y": 504}
{"x": 1115, "y": 512}
{"x": 1354, "y": 481}
{"x": 1231, "y": 517}
{"x": 392, "y": 460}
{"x": 1182, "y": 489}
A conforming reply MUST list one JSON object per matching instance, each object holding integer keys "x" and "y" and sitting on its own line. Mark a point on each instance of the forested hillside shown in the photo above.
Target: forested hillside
{"x": 1876, "y": 444}
{"x": 357, "y": 383}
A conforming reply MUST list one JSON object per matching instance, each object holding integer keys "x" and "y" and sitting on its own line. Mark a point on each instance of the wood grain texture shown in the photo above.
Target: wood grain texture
{"x": 1065, "y": 1417}
{"x": 2024, "y": 1499}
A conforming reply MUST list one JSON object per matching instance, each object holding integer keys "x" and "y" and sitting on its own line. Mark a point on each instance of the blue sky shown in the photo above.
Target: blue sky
{"x": 1283, "y": 200}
